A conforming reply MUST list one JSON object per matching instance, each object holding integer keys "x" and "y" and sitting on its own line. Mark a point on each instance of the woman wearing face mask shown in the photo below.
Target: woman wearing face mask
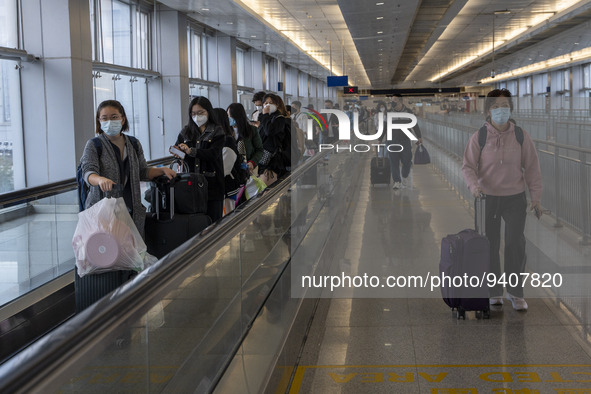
{"x": 272, "y": 131}
{"x": 113, "y": 159}
{"x": 501, "y": 170}
{"x": 121, "y": 162}
{"x": 247, "y": 136}
{"x": 202, "y": 140}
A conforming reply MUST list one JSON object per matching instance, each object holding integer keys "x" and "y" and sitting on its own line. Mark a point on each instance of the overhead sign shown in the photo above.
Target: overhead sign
{"x": 333, "y": 81}
{"x": 351, "y": 90}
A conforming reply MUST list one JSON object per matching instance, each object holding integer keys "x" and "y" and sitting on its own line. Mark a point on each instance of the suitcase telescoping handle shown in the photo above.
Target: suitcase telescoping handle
{"x": 480, "y": 214}
{"x": 164, "y": 202}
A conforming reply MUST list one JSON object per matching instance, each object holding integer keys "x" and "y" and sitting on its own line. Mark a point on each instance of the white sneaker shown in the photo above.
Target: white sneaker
{"x": 519, "y": 304}
{"x": 496, "y": 300}
{"x": 397, "y": 185}
{"x": 404, "y": 182}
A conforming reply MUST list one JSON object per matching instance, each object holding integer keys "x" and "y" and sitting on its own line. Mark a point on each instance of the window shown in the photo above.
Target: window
{"x": 240, "y": 67}
{"x": 8, "y": 24}
{"x": 132, "y": 93}
{"x": 527, "y": 86}
{"x": 198, "y": 90}
{"x": 303, "y": 84}
{"x": 587, "y": 76}
{"x": 11, "y": 152}
{"x": 194, "y": 52}
{"x": 120, "y": 33}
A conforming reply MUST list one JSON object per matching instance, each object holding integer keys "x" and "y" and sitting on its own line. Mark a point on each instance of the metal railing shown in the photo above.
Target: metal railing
{"x": 566, "y": 170}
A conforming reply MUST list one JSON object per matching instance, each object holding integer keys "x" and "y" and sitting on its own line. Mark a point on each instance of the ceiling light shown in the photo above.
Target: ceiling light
{"x": 253, "y": 36}
{"x": 379, "y": 3}
{"x": 205, "y": 9}
{"x": 380, "y": 32}
{"x": 502, "y": 12}
{"x": 380, "y": 40}
{"x": 380, "y": 17}
{"x": 230, "y": 23}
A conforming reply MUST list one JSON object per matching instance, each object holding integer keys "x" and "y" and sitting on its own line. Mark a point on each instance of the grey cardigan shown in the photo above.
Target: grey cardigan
{"x": 108, "y": 167}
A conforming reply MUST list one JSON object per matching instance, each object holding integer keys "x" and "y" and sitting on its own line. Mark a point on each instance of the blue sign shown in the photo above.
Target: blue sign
{"x": 337, "y": 81}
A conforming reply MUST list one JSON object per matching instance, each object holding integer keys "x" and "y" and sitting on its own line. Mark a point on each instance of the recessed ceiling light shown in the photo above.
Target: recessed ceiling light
{"x": 379, "y": 3}
{"x": 205, "y": 9}
{"x": 230, "y": 23}
{"x": 380, "y": 17}
{"x": 266, "y": 43}
{"x": 380, "y": 32}
{"x": 380, "y": 40}
{"x": 253, "y": 36}
{"x": 502, "y": 12}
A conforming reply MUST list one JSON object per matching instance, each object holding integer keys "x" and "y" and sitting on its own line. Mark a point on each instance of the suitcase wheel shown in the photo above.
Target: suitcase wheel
{"x": 461, "y": 313}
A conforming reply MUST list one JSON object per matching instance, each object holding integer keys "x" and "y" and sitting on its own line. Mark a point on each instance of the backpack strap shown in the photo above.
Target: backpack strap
{"x": 98, "y": 145}
{"x": 519, "y": 134}
{"x": 134, "y": 143}
{"x": 482, "y": 137}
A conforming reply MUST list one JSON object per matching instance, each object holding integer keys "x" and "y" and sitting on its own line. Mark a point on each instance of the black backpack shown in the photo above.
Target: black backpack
{"x": 83, "y": 188}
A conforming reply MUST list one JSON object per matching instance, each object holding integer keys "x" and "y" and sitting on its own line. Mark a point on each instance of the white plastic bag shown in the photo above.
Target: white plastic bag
{"x": 106, "y": 239}
{"x": 229, "y": 158}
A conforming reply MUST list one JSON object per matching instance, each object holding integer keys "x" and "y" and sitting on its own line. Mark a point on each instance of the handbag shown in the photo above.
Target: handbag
{"x": 421, "y": 155}
{"x": 190, "y": 193}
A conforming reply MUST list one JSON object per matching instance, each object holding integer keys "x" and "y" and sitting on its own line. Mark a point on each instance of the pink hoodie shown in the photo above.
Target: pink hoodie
{"x": 501, "y": 164}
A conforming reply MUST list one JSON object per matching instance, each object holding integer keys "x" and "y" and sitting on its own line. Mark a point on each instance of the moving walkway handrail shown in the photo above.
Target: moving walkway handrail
{"x": 29, "y": 194}
{"x": 45, "y": 364}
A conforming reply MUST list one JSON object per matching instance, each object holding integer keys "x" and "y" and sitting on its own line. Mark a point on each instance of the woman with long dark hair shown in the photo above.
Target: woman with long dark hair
{"x": 247, "y": 136}
{"x": 272, "y": 131}
{"x": 202, "y": 140}
{"x": 237, "y": 176}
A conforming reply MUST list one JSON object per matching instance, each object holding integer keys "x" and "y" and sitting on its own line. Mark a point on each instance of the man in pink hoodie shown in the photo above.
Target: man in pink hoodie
{"x": 501, "y": 170}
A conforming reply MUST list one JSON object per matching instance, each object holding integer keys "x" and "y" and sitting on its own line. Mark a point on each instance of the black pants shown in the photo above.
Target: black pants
{"x": 404, "y": 157}
{"x": 513, "y": 210}
{"x": 215, "y": 209}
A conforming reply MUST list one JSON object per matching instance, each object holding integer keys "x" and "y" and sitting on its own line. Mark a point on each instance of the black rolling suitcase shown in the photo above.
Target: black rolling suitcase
{"x": 91, "y": 288}
{"x": 467, "y": 253}
{"x": 380, "y": 171}
{"x": 165, "y": 231}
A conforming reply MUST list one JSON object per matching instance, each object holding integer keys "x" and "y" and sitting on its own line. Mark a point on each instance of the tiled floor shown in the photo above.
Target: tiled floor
{"x": 408, "y": 341}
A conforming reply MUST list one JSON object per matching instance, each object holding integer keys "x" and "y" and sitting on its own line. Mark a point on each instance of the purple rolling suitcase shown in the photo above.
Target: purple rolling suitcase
{"x": 467, "y": 253}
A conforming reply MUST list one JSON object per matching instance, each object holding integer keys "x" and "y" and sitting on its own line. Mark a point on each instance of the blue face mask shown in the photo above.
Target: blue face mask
{"x": 232, "y": 121}
{"x": 500, "y": 115}
{"x": 111, "y": 127}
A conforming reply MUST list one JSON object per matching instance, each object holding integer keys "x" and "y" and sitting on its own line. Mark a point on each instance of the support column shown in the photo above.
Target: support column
{"x": 226, "y": 64}
{"x": 174, "y": 65}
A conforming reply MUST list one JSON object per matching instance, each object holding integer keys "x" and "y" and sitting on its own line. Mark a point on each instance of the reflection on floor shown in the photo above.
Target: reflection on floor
{"x": 407, "y": 340}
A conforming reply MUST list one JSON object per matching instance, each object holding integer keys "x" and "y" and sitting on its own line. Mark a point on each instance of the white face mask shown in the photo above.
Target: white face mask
{"x": 500, "y": 115}
{"x": 111, "y": 127}
{"x": 259, "y": 108}
{"x": 200, "y": 120}
{"x": 272, "y": 108}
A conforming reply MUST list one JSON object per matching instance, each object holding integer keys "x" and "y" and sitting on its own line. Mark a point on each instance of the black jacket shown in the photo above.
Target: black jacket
{"x": 206, "y": 158}
{"x": 272, "y": 132}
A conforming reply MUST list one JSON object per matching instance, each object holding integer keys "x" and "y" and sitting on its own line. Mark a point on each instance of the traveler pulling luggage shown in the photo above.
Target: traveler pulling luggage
{"x": 380, "y": 171}
{"x": 167, "y": 230}
{"x": 466, "y": 253}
